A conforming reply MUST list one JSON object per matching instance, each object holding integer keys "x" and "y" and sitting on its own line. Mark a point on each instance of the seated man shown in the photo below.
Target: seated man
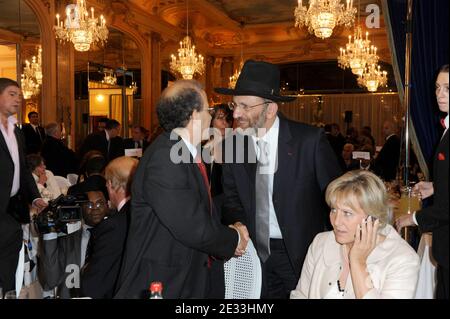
{"x": 99, "y": 275}
{"x": 63, "y": 255}
{"x": 94, "y": 180}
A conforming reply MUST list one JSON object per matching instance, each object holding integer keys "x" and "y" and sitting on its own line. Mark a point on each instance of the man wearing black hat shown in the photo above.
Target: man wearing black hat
{"x": 278, "y": 190}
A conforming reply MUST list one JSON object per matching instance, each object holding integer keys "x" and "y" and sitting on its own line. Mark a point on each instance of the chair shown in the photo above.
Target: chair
{"x": 243, "y": 276}
{"x": 73, "y": 178}
{"x": 63, "y": 184}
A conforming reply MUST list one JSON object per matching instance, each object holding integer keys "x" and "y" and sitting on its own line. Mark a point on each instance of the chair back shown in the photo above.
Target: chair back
{"x": 73, "y": 178}
{"x": 243, "y": 276}
{"x": 63, "y": 184}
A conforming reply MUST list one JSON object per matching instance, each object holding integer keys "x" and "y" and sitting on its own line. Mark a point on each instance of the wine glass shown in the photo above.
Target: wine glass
{"x": 11, "y": 294}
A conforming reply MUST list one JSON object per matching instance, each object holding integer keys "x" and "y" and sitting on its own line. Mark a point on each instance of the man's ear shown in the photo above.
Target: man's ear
{"x": 272, "y": 110}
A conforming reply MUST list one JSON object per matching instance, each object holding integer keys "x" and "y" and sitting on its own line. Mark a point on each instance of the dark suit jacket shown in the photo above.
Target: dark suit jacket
{"x": 435, "y": 218}
{"x": 386, "y": 162}
{"x": 55, "y": 255}
{"x": 107, "y": 244}
{"x": 32, "y": 139}
{"x": 129, "y": 143}
{"x": 171, "y": 231}
{"x": 10, "y": 229}
{"x": 97, "y": 141}
{"x": 59, "y": 159}
{"x": 306, "y": 165}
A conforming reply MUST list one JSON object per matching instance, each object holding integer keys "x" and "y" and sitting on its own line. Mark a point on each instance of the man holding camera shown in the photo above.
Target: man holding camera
{"x": 17, "y": 186}
{"x": 64, "y": 255}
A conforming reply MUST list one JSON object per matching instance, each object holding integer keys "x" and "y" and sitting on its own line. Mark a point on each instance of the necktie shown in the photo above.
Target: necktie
{"x": 38, "y": 133}
{"x": 443, "y": 123}
{"x": 201, "y": 166}
{"x": 262, "y": 202}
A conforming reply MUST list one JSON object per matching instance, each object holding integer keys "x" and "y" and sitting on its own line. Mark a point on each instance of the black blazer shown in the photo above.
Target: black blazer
{"x": 386, "y": 162}
{"x": 32, "y": 138}
{"x": 306, "y": 165}
{"x": 171, "y": 230}
{"x": 107, "y": 245}
{"x": 97, "y": 141}
{"x": 59, "y": 159}
{"x": 10, "y": 229}
{"x": 435, "y": 218}
{"x": 129, "y": 143}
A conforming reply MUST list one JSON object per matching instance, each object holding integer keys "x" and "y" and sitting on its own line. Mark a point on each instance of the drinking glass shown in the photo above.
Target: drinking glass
{"x": 10, "y": 294}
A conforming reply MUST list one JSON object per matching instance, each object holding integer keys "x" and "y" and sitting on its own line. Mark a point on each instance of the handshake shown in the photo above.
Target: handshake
{"x": 244, "y": 237}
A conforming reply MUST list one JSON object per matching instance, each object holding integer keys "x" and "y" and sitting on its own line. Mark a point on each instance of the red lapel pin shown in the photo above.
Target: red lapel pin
{"x": 441, "y": 157}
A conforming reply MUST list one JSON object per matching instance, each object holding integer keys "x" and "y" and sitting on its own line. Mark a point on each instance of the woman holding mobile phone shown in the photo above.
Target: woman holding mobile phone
{"x": 363, "y": 257}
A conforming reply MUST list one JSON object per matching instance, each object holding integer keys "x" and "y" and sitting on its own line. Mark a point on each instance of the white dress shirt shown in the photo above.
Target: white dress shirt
{"x": 271, "y": 138}
{"x": 11, "y": 142}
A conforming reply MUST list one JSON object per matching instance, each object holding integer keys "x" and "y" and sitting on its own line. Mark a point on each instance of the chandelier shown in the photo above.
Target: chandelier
{"x": 31, "y": 78}
{"x": 187, "y": 63}
{"x": 134, "y": 87}
{"x": 323, "y": 15}
{"x": 109, "y": 77}
{"x": 81, "y": 28}
{"x": 235, "y": 76}
{"x": 358, "y": 53}
{"x": 372, "y": 78}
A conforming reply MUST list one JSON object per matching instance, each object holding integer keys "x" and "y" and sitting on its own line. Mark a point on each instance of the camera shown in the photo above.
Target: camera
{"x": 59, "y": 212}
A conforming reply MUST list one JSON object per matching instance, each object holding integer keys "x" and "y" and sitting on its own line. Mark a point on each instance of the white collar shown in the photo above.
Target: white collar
{"x": 122, "y": 203}
{"x": 107, "y": 135}
{"x": 12, "y": 119}
{"x": 389, "y": 137}
{"x": 446, "y": 122}
{"x": 190, "y": 147}
{"x": 272, "y": 134}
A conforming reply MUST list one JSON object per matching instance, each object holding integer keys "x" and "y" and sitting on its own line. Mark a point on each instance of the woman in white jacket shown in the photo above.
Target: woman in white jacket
{"x": 45, "y": 180}
{"x": 363, "y": 257}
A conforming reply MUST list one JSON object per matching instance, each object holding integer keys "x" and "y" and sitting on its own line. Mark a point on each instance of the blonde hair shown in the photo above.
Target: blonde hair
{"x": 120, "y": 172}
{"x": 363, "y": 188}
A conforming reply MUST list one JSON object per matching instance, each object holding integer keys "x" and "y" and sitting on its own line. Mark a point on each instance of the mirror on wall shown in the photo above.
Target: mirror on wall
{"x": 20, "y": 49}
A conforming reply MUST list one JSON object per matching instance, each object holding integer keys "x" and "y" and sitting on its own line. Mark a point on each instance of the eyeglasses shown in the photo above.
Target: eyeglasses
{"x": 96, "y": 205}
{"x": 233, "y": 105}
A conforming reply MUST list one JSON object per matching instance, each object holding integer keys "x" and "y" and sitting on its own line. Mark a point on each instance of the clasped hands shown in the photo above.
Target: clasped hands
{"x": 244, "y": 237}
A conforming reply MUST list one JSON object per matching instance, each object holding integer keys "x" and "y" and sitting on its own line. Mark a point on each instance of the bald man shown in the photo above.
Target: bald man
{"x": 386, "y": 163}
{"x": 108, "y": 238}
{"x": 174, "y": 229}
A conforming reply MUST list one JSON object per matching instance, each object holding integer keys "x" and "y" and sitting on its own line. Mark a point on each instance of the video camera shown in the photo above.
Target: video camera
{"x": 59, "y": 212}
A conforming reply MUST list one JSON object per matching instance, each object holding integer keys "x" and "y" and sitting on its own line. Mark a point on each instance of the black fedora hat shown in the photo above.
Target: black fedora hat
{"x": 258, "y": 78}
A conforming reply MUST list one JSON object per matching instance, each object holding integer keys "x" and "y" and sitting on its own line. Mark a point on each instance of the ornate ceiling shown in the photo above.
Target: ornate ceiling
{"x": 265, "y": 28}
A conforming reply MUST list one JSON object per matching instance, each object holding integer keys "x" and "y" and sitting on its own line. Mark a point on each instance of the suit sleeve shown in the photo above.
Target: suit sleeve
{"x": 232, "y": 208}
{"x": 27, "y": 182}
{"x": 175, "y": 200}
{"x": 51, "y": 263}
{"x": 434, "y": 216}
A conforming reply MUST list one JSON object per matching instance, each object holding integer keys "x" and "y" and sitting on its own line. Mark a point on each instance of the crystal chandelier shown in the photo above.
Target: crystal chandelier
{"x": 134, "y": 87}
{"x": 109, "y": 77}
{"x": 358, "y": 53}
{"x": 323, "y": 15}
{"x": 235, "y": 76}
{"x": 372, "y": 78}
{"x": 31, "y": 78}
{"x": 81, "y": 28}
{"x": 187, "y": 63}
